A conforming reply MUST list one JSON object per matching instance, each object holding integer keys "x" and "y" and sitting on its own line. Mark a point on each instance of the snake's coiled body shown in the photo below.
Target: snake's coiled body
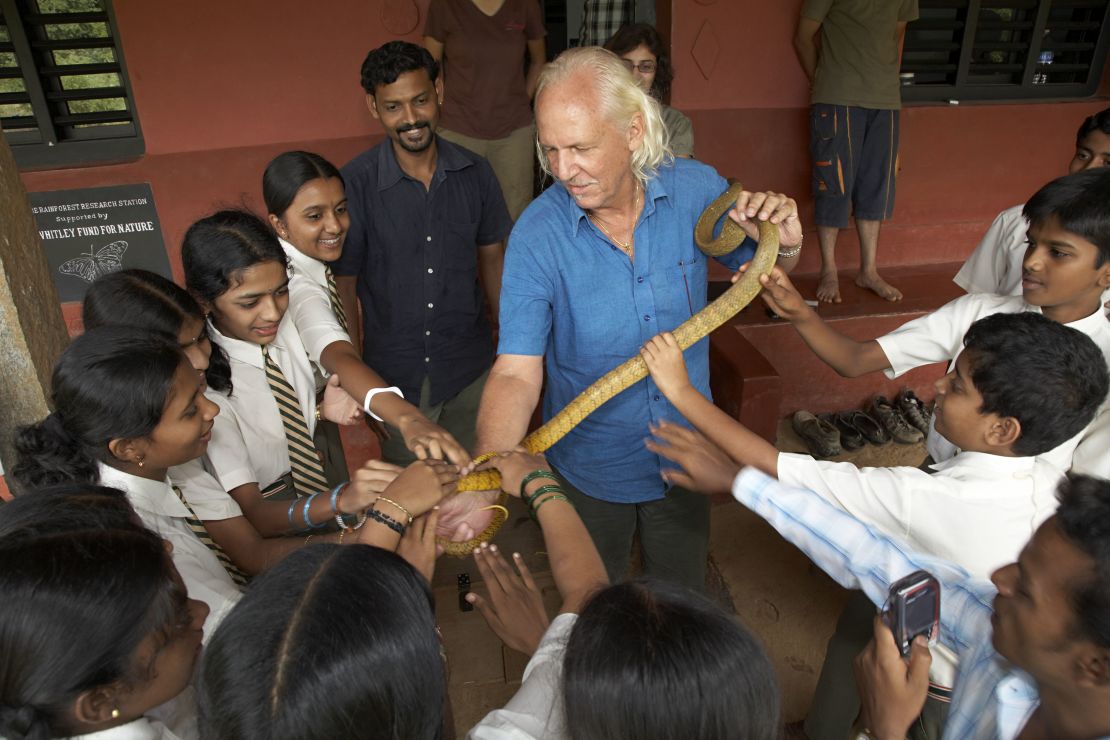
{"x": 633, "y": 370}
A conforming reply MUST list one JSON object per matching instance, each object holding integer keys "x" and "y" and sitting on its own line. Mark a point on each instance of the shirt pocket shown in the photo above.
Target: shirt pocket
{"x": 680, "y": 290}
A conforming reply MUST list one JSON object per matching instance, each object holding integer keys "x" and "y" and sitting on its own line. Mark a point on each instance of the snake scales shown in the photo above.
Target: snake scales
{"x": 633, "y": 370}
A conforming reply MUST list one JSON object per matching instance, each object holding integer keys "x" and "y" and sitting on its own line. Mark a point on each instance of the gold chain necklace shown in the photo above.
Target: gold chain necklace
{"x": 624, "y": 247}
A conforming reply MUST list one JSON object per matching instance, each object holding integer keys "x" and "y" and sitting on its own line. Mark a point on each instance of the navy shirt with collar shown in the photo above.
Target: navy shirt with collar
{"x": 415, "y": 253}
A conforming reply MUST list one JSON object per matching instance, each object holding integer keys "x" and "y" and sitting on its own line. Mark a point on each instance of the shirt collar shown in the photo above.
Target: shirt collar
{"x": 986, "y": 461}
{"x": 448, "y": 158}
{"x": 1093, "y": 324}
{"x": 654, "y": 190}
{"x": 247, "y": 352}
{"x": 301, "y": 263}
{"x": 154, "y": 496}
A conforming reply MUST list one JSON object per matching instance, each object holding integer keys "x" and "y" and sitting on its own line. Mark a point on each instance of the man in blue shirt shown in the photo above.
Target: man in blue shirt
{"x": 427, "y": 217}
{"x": 598, "y": 264}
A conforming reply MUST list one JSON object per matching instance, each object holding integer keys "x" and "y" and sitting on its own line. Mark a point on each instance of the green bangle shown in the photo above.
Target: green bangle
{"x": 549, "y": 488}
{"x": 535, "y": 509}
{"x": 532, "y": 476}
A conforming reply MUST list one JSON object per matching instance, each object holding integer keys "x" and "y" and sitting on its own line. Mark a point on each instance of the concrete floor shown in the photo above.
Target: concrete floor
{"x": 771, "y": 586}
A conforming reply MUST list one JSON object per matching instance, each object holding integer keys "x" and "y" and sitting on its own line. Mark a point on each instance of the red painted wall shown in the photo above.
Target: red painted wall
{"x": 222, "y": 87}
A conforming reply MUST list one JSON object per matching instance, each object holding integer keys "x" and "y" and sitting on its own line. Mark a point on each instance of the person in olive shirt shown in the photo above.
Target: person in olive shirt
{"x": 854, "y": 124}
{"x": 427, "y": 217}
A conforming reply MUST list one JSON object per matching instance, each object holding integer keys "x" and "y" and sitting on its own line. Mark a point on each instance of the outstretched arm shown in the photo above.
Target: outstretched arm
{"x": 664, "y": 360}
{"x": 848, "y": 357}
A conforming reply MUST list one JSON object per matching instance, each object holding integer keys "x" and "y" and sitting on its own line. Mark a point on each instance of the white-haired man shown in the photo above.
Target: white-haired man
{"x": 598, "y": 264}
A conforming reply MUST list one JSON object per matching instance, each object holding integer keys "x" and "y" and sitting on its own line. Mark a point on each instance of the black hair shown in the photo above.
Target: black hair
{"x": 103, "y": 589}
{"x": 287, "y": 173}
{"x": 215, "y": 252}
{"x": 1048, "y": 376}
{"x": 111, "y": 382}
{"x": 330, "y": 642}
{"x": 1084, "y": 518}
{"x": 1080, "y": 203}
{"x": 141, "y": 299}
{"x": 653, "y": 660}
{"x": 68, "y": 507}
{"x": 389, "y": 61}
{"x": 629, "y": 37}
{"x": 1096, "y": 122}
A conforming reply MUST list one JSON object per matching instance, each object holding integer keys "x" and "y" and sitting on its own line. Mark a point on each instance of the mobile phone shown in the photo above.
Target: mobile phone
{"x": 913, "y": 608}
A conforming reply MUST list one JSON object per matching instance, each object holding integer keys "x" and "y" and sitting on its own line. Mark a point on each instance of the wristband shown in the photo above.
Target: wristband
{"x": 370, "y": 397}
{"x": 343, "y": 526}
{"x": 387, "y": 520}
{"x": 395, "y": 505}
{"x": 304, "y": 514}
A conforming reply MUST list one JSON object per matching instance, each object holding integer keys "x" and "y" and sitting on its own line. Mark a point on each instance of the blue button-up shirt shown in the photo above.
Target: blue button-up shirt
{"x": 570, "y": 295}
{"x": 415, "y": 252}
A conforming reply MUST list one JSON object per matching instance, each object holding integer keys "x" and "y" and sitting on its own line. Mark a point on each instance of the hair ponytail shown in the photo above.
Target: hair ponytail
{"x": 23, "y": 723}
{"x": 110, "y": 383}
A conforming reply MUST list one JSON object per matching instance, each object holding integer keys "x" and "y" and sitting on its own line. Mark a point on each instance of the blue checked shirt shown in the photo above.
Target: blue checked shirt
{"x": 571, "y": 296}
{"x": 991, "y": 699}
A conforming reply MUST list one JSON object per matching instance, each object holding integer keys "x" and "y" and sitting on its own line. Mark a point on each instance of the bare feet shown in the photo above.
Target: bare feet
{"x": 828, "y": 289}
{"x": 872, "y": 281}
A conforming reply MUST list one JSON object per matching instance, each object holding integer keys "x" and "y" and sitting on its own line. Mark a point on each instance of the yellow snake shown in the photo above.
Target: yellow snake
{"x": 633, "y": 370}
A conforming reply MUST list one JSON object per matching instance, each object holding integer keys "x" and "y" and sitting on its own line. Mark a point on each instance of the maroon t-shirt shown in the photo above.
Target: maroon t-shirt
{"x": 484, "y": 64}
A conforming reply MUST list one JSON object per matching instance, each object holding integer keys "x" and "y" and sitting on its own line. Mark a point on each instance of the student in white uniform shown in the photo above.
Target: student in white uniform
{"x": 115, "y": 662}
{"x": 128, "y": 406}
{"x": 138, "y": 298}
{"x": 260, "y": 376}
{"x": 307, "y": 205}
{"x": 995, "y": 265}
{"x": 640, "y": 659}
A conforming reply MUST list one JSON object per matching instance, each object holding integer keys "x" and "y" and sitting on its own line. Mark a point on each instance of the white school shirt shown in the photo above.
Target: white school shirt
{"x": 977, "y": 510}
{"x": 310, "y": 304}
{"x": 938, "y": 337}
{"x": 248, "y": 437}
{"x": 995, "y": 265}
{"x": 140, "y": 729}
{"x": 206, "y": 497}
{"x": 536, "y": 710}
{"x": 161, "y": 511}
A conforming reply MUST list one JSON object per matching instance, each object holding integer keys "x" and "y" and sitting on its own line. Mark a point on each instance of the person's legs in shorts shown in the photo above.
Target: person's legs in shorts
{"x": 830, "y": 148}
{"x": 873, "y": 192}
{"x": 674, "y": 537}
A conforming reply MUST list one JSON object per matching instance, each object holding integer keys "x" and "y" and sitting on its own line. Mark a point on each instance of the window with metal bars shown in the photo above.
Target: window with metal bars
{"x": 64, "y": 94}
{"x": 1005, "y": 49}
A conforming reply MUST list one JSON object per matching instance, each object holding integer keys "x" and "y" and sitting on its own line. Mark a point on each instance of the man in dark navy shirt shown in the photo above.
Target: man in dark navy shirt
{"x": 427, "y": 217}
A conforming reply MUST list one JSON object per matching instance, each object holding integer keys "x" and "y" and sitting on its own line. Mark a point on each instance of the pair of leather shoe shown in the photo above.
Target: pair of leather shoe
{"x": 820, "y": 436}
{"x": 893, "y": 421}
{"x": 914, "y": 410}
{"x": 856, "y": 429}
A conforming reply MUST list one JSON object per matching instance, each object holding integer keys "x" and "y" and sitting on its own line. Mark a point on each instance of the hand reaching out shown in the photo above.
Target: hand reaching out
{"x": 366, "y": 485}
{"x": 338, "y": 406}
{"x": 779, "y": 294}
{"x": 422, "y": 485}
{"x": 426, "y": 440}
{"x": 513, "y": 607}
{"x": 702, "y": 465}
{"x": 663, "y": 358}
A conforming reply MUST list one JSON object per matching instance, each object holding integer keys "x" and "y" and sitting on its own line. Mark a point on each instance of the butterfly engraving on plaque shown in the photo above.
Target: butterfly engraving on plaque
{"x": 96, "y": 262}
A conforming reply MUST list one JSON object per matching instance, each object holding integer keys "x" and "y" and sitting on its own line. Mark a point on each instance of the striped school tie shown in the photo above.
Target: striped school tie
{"x": 336, "y": 304}
{"x": 201, "y": 532}
{"x": 304, "y": 460}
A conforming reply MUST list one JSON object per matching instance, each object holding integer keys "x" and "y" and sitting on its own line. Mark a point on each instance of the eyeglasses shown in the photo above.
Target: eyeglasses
{"x": 645, "y": 67}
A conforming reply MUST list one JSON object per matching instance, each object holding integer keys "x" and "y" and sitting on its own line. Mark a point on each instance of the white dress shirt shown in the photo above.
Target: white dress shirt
{"x": 310, "y": 304}
{"x": 992, "y": 699}
{"x": 248, "y": 437}
{"x": 161, "y": 511}
{"x": 206, "y": 497}
{"x": 977, "y": 510}
{"x": 938, "y": 337}
{"x": 995, "y": 265}
{"x": 536, "y": 710}
{"x": 140, "y": 729}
